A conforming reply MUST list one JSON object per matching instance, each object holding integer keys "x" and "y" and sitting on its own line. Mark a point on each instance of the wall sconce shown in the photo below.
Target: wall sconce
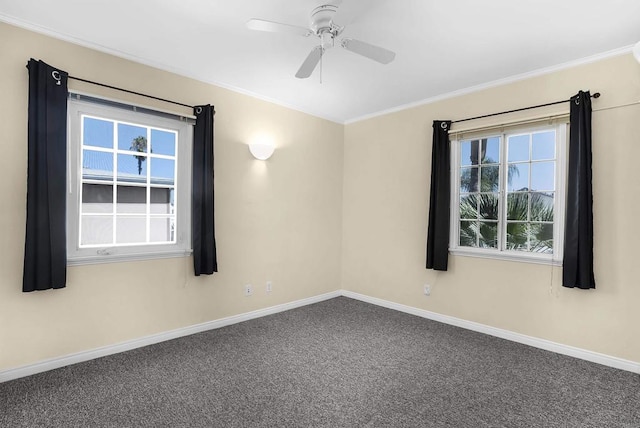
{"x": 636, "y": 51}
{"x": 261, "y": 151}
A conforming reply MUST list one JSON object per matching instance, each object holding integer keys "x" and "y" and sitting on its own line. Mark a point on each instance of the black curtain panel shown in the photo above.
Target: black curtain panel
{"x": 202, "y": 223}
{"x": 45, "y": 253}
{"x": 577, "y": 270}
{"x": 439, "y": 205}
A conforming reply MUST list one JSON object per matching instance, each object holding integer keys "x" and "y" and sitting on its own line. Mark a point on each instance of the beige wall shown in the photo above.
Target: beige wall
{"x": 386, "y": 186}
{"x": 278, "y": 220}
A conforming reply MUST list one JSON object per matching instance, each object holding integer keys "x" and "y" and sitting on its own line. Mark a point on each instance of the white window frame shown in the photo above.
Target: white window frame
{"x": 77, "y": 255}
{"x": 561, "y": 128}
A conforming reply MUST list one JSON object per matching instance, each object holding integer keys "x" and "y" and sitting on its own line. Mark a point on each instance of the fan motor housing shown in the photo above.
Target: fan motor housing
{"x": 322, "y": 19}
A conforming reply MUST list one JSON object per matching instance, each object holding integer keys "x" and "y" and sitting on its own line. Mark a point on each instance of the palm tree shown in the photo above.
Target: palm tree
{"x": 139, "y": 144}
{"x": 529, "y": 214}
{"x": 537, "y": 230}
{"x": 528, "y": 228}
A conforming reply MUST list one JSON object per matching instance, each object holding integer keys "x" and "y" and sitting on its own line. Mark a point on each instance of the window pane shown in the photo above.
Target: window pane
{"x": 97, "y": 198}
{"x": 508, "y": 190}
{"x": 469, "y": 180}
{"x": 162, "y": 171}
{"x": 131, "y": 137}
{"x": 163, "y": 142}
{"x": 113, "y": 153}
{"x": 162, "y": 200}
{"x": 96, "y": 230}
{"x": 468, "y": 234}
{"x": 518, "y": 148}
{"x": 162, "y": 229}
{"x": 469, "y": 207}
{"x": 542, "y": 237}
{"x": 489, "y": 206}
{"x": 475, "y": 152}
{"x": 517, "y": 236}
{"x": 491, "y": 150}
{"x": 97, "y": 165}
{"x": 131, "y": 230}
{"x": 131, "y": 199}
{"x": 518, "y": 177}
{"x": 518, "y": 206}
{"x": 97, "y": 133}
{"x": 132, "y": 168}
{"x": 490, "y": 178}
{"x": 542, "y": 206}
{"x": 543, "y": 176}
{"x": 465, "y": 154}
{"x": 544, "y": 145}
{"x": 488, "y": 235}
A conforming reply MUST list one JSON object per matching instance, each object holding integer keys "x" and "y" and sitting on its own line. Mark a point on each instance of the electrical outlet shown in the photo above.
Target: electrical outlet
{"x": 427, "y": 290}
{"x": 248, "y": 290}
{"x": 269, "y": 286}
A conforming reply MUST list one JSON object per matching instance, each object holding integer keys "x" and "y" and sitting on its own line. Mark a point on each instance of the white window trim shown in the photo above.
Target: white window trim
{"x": 111, "y": 254}
{"x": 561, "y": 128}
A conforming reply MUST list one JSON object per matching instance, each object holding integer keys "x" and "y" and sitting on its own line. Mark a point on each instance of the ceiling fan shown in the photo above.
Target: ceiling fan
{"x": 323, "y": 25}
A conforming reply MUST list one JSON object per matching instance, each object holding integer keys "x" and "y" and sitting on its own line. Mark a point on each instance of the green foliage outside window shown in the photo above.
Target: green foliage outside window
{"x": 529, "y": 214}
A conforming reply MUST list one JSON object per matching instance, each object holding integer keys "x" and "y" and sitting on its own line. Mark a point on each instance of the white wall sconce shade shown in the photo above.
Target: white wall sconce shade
{"x": 261, "y": 151}
{"x": 636, "y": 51}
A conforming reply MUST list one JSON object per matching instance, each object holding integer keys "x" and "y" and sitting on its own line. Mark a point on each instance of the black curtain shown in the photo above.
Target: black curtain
{"x": 45, "y": 252}
{"x": 577, "y": 270}
{"x": 202, "y": 223}
{"x": 439, "y": 205}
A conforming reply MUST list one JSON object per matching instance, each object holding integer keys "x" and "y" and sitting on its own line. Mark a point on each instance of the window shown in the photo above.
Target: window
{"x": 129, "y": 184}
{"x": 508, "y": 194}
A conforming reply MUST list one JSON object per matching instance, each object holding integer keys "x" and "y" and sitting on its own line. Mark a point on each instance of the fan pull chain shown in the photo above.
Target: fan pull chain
{"x": 321, "y": 55}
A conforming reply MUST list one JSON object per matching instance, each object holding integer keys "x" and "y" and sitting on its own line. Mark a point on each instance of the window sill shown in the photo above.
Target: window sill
{"x": 119, "y": 258}
{"x": 508, "y": 256}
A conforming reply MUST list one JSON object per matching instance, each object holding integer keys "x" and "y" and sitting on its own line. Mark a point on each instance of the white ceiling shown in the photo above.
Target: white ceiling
{"x": 442, "y": 46}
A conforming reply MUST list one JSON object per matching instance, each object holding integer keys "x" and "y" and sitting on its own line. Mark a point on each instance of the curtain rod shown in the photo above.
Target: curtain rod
{"x": 596, "y": 95}
{"x": 128, "y": 91}
{"x": 515, "y": 122}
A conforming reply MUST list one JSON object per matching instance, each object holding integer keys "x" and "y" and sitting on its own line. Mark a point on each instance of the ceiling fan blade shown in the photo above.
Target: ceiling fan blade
{"x": 276, "y": 27}
{"x": 310, "y": 63}
{"x": 376, "y": 53}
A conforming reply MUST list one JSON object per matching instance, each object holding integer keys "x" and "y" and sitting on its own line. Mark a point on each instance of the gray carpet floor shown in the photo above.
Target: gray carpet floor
{"x": 338, "y": 363}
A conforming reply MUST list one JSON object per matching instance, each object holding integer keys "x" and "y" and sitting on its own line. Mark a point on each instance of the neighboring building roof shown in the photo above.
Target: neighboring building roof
{"x": 95, "y": 166}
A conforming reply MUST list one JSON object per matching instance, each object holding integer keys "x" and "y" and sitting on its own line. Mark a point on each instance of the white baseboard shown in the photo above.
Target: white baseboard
{"x": 54, "y": 363}
{"x": 558, "y": 348}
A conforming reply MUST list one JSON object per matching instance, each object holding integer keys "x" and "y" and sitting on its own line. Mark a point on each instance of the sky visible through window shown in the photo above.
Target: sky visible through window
{"x": 100, "y": 134}
{"x": 530, "y": 157}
